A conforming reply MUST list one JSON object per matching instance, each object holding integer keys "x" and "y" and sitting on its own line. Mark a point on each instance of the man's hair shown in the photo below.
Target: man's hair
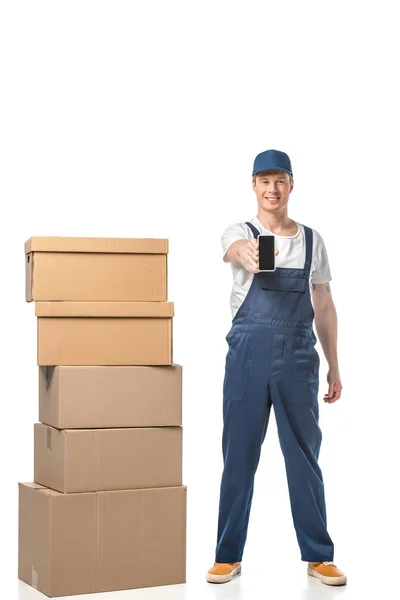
{"x": 263, "y": 173}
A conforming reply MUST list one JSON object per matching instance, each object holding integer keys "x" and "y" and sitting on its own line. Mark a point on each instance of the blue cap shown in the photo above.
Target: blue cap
{"x": 272, "y": 159}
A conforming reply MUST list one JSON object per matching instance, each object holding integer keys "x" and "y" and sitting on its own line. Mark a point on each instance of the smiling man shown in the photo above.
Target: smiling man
{"x": 272, "y": 362}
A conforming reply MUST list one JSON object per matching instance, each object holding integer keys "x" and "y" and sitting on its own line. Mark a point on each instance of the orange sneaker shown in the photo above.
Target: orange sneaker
{"x": 223, "y": 572}
{"x": 327, "y": 572}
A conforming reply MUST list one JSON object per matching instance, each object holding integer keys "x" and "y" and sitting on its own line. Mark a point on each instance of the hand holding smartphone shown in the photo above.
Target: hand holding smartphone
{"x": 266, "y": 252}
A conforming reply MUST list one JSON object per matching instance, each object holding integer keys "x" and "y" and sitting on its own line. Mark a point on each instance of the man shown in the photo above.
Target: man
{"x": 272, "y": 361}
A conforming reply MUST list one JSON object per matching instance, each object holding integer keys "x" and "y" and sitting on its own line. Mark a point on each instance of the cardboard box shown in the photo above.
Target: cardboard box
{"x": 96, "y": 269}
{"x": 99, "y": 397}
{"x": 104, "y": 333}
{"x": 91, "y": 460}
{"x": 101, "y": 542}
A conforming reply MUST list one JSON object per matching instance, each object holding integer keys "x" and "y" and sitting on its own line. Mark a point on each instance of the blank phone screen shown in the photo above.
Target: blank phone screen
{"x": 266, "y": 253}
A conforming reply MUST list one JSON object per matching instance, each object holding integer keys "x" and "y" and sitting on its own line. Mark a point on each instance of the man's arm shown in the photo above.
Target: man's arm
{"x": 326, "y": 321}
{"x": 232, "y": 254}
{"x": 326, "y": 327}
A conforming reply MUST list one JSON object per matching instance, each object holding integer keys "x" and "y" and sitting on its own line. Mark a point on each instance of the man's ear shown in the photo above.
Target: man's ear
{"x": 253, "y": 184}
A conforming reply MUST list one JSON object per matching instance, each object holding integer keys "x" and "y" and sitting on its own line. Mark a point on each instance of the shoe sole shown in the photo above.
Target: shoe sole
{"x": 223, "y": 578}
{"x": 328, "y": 580}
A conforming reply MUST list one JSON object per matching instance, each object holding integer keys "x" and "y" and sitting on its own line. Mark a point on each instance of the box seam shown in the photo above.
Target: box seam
{"x": 65, "y": 462}
{"x": 59, "y": 401}
{"x": 95, "y": 466}
{"x": 96, "y": 544}
{"x": 50, "y": 582}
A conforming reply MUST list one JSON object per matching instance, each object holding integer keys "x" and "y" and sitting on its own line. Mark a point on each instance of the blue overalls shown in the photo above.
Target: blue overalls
{"x": 272, "y": 361}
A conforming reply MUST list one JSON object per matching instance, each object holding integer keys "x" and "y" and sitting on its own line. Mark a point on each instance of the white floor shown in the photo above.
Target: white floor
{"x": 273, "y": 580}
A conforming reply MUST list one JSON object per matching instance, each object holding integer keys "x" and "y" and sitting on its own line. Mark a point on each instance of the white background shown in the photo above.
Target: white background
{"x": 142, "y": 119}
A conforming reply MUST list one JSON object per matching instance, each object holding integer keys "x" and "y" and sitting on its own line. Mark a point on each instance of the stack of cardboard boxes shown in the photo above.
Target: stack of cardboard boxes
{"x": 107, "y": 509}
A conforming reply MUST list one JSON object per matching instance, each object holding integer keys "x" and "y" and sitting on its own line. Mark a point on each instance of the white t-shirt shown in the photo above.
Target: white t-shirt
{"x": 292, "y": 253}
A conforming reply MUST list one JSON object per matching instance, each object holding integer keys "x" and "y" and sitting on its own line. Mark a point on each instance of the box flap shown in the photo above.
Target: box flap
{"x": 82, "y": 244}
{"x": 104, "y": 309}
{"x": 39, "y": 488}
{"x": 31, "y": 484}
{"x": 142, "y": 490}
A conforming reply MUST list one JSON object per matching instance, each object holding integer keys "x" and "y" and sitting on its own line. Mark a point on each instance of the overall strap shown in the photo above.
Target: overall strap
{"x": 255, "y": 231}
{"x": 309, "y": 248}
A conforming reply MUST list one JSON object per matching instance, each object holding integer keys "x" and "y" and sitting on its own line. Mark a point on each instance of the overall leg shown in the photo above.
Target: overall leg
{"x": 295, "y": 399}
{"x": 246, "y": 409}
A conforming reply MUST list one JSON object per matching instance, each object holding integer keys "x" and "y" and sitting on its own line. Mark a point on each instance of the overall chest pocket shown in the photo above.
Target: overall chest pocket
{"x": 282, "y": 283}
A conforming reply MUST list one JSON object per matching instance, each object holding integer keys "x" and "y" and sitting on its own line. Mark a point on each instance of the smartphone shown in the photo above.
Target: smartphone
{"x": 266, "y": 252}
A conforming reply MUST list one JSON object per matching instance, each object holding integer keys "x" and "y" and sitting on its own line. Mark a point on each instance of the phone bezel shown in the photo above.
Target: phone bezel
{"x": 267, "y": 235}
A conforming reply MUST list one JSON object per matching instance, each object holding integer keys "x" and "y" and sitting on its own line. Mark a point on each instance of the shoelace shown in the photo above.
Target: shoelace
{"x": 329, "y": 562}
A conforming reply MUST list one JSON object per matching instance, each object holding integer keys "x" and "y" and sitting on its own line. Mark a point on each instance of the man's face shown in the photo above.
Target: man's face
{"x": 272, "y": 190}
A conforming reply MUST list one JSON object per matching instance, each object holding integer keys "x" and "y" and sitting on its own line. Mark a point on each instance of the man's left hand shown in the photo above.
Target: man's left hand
{"x": 335, "y": 387}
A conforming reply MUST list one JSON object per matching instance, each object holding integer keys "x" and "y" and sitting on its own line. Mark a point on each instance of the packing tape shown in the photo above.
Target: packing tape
{"x": 34, "y": 579}
{"x": 49, "y": 438}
